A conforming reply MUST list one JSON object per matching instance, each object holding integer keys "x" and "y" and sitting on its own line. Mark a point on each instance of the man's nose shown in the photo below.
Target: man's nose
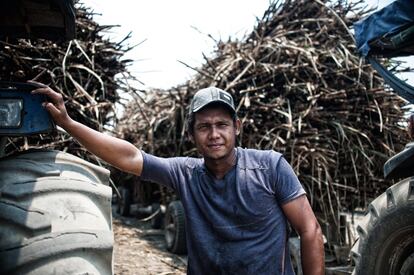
{"x": 214, "y": 132}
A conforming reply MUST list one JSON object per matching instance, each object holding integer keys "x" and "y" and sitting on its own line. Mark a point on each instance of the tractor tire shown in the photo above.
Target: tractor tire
{"x": 124, "y": 202}
{"x": 175, "y": 228}
{"x": 55, "y": 212}
{"x": 386, "y": 234}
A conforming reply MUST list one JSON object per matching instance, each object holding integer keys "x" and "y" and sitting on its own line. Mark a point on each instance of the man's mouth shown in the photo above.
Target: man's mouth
{"x": 215, "y": 146}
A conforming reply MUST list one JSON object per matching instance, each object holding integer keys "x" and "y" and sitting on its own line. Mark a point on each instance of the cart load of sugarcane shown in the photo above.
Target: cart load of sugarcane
{"x": 89, "y": 71}
{"x": 301, "y": 89}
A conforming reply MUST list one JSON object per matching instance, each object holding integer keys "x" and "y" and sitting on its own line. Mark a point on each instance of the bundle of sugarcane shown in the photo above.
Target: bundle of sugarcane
{"x": 86, "y": 71}
{"x": 302, "y": 90}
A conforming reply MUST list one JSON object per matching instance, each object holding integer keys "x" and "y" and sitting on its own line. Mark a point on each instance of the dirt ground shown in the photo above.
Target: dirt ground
{"x": 141, "y": 250}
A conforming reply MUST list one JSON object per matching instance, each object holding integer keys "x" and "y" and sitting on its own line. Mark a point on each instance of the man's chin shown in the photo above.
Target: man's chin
{"x": 216, "y": 155}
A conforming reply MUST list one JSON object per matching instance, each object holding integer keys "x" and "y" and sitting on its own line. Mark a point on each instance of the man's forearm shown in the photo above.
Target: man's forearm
{"x": 312, "y": 251}
{"x": 114, "y": 151}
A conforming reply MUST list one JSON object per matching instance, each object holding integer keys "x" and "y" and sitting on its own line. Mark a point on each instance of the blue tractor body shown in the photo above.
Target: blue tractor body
{"x": 22, "y": 113}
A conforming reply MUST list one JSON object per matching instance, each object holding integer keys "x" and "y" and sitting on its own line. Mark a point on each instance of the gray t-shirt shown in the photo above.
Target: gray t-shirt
{"x": 234, "y": 225}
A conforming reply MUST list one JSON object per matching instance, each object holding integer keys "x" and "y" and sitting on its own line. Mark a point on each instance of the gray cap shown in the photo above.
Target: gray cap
{"x": 209, "y": 95}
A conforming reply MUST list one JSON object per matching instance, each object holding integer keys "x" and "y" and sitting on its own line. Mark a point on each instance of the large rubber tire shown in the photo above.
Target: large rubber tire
{"x": 55, "y": 215}
{"x": 175, "y": 228}
{"x": 386, "y": 234}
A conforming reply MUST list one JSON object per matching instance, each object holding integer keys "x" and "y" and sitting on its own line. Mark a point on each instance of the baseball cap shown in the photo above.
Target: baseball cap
{"x": 209, "y": 95}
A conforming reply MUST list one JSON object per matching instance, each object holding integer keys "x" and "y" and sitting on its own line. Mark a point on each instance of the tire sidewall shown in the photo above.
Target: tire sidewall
{"x": 56, "y": 212}
{"x": 391, "y": 233}
{"x": 176, "y": 242}
{"x": 386, "y": 233}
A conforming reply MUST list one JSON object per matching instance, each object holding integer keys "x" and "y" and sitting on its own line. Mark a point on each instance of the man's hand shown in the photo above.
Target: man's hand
{"x": 56, "y": 106}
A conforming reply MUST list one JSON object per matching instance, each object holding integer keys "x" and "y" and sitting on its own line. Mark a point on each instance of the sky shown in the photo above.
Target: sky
{"x": 167, "y": 32}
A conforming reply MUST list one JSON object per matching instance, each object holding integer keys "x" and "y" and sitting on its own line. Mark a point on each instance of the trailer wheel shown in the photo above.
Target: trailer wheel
{"x": 386, "y": 234}
{"x": 55, "y": 215}
{"x": 124, "y": 202}
{"x": 175, "y": 228}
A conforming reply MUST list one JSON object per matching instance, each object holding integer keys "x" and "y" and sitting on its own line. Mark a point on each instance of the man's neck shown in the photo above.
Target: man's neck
{"x": 220, "y": 167}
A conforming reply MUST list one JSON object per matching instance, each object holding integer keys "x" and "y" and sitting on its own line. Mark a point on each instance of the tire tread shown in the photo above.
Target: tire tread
{"x": 395, "y": 197}
{"x": 37, "y": 190}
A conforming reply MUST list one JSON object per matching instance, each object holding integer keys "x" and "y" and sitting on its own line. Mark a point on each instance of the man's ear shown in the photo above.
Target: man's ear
{"x": 238, "y": 125}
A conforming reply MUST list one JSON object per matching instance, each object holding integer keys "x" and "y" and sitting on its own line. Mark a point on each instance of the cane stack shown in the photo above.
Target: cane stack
{"x": 302, "y": 90}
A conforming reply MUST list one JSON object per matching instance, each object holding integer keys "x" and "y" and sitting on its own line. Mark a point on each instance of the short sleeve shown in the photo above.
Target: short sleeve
{"x": 286, "y": 184}
{"x": 158, "y": 170}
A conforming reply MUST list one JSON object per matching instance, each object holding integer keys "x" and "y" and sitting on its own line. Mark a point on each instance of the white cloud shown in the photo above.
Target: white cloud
{"x": 170, "y": 30}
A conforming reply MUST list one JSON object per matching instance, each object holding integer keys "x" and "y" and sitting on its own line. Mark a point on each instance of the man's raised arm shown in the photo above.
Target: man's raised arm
{"x": 115, "y": 151}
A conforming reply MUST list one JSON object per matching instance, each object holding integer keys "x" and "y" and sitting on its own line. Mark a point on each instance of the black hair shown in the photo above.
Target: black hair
{"x": 191, "y": 116}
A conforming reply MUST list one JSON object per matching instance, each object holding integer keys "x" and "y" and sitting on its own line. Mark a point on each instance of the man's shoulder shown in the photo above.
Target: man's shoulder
{"x": 258, "y": 158}
{"x": 174, "y": 162}
{"x": 259, "y": 153}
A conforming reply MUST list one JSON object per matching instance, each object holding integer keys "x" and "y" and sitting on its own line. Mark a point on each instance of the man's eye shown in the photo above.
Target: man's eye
{"x": 202, "y": 127}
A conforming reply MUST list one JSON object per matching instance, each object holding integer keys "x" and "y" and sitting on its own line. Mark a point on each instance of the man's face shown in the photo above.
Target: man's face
{"x": 215, "y": 132}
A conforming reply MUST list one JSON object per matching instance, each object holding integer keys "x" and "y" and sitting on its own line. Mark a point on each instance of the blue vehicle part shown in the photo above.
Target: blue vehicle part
{"x": 400, "y": 165}
{"x": 391, "y": 21}
{"x": 32, "y": 118}
{"x": 388, "y": 32}
{"x": 403, "y": 89}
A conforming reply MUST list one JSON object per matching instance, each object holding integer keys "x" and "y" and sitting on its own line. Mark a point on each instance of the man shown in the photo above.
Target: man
{"x": 237, "y": 202}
